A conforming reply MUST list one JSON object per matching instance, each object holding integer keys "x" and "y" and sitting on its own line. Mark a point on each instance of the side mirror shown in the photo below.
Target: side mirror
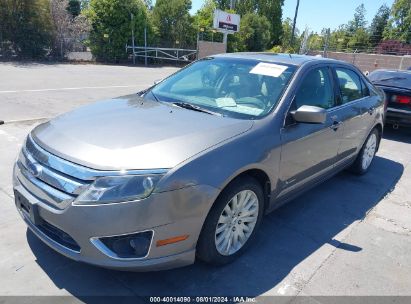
{"x": 157, "y": 81}
{"x": 310, "y": 114}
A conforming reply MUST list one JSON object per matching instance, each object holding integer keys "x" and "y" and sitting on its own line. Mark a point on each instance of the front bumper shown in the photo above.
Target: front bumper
{"x": 399, "y": 117}
{"x": 167, "y": 214}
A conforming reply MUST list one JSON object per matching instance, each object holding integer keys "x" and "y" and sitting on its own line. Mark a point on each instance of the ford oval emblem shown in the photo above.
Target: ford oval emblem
{"x": 34, "y": 169}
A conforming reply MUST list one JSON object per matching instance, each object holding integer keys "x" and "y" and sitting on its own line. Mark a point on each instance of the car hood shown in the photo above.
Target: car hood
{"x": 132, "y": 133}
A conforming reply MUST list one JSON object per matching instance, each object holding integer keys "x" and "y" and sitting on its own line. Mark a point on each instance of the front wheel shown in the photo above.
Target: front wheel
{"x": 367, "y": 153}
{"x": 232, "y": 222}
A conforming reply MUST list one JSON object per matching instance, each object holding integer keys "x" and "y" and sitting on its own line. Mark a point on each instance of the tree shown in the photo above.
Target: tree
{"x": 315, "y": 42}
{"x": 359, "y": 21}
{"x": 203, "y": 22}
{"x": 74, "y": 7}
{"x": 287, "y": 27}
{"x": 339, "y": 39}
{"x": 61, "y": 18}
{"x": 223, "y": 4}
{"x": 359, "y": 41}
{"x": 356, "y": 30}
{"x": 379, "y": 22}
{"x": 84, "y": 4}
{"x": 399, "y": 24}
{"x": 246, "y": 7}
{"x": 393, "y": 47}
{"x": 255, "y": 34}
{"x": 204, "y": 16}
{"x": 173, "y": 23}
{"x": 25, "y": 25}
{"x": 112, "y": 22}
{"x": 272, "y": 10}
{"x": 149, "y": 4}
{"x": 66, "y": 29}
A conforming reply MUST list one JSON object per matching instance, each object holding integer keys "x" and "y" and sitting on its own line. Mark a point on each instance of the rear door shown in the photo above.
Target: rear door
{"x": 356, "y": 108}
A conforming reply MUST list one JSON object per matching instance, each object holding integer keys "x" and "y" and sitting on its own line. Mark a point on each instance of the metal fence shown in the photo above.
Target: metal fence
{"x": 174, "y": 54}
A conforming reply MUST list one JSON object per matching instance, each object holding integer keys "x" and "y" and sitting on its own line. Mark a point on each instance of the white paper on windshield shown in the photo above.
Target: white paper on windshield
{"x": 268, "y": 69}
{"x": 225, "y": 102}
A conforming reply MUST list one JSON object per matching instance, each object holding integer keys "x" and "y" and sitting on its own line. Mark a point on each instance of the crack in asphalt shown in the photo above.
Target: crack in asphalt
{"x": 299, "y": 287}
{"x": 354, "y": 225}
{"x": 393, "y": 222}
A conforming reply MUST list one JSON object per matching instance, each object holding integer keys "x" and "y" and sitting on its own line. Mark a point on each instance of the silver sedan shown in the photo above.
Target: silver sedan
{"x": 188, "y": 167}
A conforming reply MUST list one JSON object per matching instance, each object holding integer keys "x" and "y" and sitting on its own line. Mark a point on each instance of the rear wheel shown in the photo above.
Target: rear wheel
{"x": 367, "y": 153}
{"x": 232, "y": 222}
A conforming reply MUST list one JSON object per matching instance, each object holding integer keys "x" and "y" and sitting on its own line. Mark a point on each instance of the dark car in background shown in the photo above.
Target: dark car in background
{"x": 397, "y": 87}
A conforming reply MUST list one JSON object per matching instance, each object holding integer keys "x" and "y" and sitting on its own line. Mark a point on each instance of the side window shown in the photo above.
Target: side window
{"x": 350, "y": 85}
{"x": 316, "y": 90}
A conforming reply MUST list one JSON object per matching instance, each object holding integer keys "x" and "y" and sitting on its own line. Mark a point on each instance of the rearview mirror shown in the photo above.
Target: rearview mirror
{"x": 310, "y": 114}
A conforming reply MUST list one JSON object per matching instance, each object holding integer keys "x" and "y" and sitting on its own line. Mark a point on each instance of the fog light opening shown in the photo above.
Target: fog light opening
{"x": 130, "y": 246}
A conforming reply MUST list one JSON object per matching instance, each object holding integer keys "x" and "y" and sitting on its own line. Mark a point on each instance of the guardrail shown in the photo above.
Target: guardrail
{"x": 173, "y": 54}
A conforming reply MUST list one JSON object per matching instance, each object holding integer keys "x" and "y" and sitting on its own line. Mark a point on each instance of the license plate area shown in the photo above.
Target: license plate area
{"x": 30, "y": 210}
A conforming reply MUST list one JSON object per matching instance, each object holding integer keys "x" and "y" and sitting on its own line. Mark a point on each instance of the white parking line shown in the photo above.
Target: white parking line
{"x": 8, "y": 136}
{"x": 78, "y": 88}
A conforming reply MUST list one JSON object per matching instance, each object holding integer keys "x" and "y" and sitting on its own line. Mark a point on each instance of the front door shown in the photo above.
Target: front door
{"x": 309, "y": 150}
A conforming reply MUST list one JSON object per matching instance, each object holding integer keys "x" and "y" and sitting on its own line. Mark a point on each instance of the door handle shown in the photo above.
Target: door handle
{"x": 336, "y": 125}
{"x": 371, "y": 110}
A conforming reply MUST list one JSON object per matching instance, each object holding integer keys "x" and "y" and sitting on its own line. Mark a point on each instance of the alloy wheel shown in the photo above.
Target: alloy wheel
{"x": 236, "y": 222}
{"x": 369, "y": 151}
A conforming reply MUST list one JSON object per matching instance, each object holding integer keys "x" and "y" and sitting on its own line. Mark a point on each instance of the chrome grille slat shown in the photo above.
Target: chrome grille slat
{"x": 52, "y": 178}
{"x": 49, "y": 185}
{"x": 57, "y": 181}
{"x": 41, "y": 190}
{"x": 56, "y": 163}
{"x": 77, "y": 171}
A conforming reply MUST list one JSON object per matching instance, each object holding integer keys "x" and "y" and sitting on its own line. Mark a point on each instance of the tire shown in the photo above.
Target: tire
{"x": 210, "y": 248}
{"x": 367, "y": 153}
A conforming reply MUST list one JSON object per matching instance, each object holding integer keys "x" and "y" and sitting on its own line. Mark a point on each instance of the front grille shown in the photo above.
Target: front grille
{"x": 44, "y": 179}
{"x": 58, "y": 236}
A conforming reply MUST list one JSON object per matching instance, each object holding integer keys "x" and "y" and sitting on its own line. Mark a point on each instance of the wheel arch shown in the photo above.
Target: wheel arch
{"x": 380, "y": 129}
{"x": 260, "y": 176}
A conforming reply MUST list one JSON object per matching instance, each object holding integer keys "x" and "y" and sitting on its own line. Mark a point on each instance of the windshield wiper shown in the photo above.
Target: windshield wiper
{"x": 391, "y": 78}
{"x": 190, "y": 106}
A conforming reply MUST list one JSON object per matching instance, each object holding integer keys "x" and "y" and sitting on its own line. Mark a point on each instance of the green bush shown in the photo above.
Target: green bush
{"x": 25, "y": 25}
{"x": 111, "y": 27}
{"x": 254, "y": 34}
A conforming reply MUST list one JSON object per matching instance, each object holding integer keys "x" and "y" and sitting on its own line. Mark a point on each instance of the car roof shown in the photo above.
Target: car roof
{"x": 292, "y": 59}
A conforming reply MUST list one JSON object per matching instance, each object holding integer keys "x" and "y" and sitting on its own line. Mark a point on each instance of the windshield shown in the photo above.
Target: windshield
{"x": 237, "y": 88}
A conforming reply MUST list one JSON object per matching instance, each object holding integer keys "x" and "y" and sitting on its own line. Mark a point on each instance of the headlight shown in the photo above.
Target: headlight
{"x": 113, "y": 189}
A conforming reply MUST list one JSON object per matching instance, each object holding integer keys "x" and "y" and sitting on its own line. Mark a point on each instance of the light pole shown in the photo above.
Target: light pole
{"x": 132, "y": 37}
{"x": 295, "y": 20}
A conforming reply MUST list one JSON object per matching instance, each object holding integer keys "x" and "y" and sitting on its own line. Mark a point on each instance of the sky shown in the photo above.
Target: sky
{"x": 317, "y": 14}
